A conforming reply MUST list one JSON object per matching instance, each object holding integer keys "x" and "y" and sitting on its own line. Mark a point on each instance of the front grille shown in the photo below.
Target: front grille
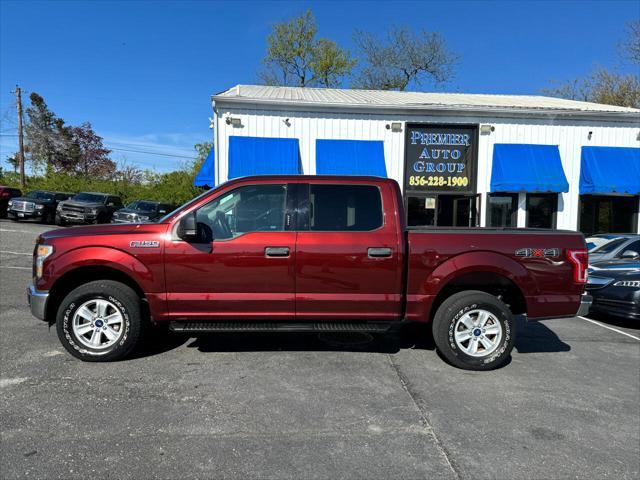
{"x": 125, "y": 217}
{"x": 24, "y": 206}
{"x": 72, "y": 209}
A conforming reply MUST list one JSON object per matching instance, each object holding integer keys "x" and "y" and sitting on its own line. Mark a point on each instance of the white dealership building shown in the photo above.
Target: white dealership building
{"x": 460, "y": 159}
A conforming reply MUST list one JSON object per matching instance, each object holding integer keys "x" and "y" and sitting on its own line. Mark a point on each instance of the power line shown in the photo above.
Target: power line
{"x": 151, "y": 153}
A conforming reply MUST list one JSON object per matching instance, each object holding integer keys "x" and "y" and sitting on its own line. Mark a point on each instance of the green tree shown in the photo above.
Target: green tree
{"x": 402, "y": 59}
{"x": 45, "y": 143}
{"x": 202, "y": 150}
{"x": 296, "y": 58}
{"x": 330, "y": 63}
{"x": 14, "y": 162}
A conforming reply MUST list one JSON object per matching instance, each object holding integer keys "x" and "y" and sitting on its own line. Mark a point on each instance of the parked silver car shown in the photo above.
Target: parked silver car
{"x": 619, "y": 247}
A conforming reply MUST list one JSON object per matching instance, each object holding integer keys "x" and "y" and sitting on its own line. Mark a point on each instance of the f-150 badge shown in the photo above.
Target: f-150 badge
{"x": 144, "y": 243}
{"x": 537, "y": 252}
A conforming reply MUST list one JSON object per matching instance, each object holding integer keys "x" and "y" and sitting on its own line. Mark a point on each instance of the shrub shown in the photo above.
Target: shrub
{"x": 174, "y": 188}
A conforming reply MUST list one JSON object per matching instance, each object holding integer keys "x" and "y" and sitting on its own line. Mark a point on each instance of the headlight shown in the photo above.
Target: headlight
{"x": 42, "y": 253}
{"x": 59, "y": 207}
{"x": 143, "y": 218}
{"x": 39, "y": 207}
{"x": 628, "y": 283}
{"x": 10, "y": 202}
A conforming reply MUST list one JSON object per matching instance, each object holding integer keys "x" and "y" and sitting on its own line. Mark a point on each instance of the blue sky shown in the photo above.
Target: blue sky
{"x": 142, "y": 72}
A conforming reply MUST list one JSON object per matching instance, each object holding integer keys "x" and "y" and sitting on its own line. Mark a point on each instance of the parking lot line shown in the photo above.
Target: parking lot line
{"x": 15, "y": 253}
{"x": 16, "y": 268}
{"x": 609, "y": 328}
{"x": 15, "y": 231}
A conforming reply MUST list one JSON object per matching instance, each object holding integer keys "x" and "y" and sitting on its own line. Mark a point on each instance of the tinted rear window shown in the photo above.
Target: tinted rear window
{"x": 354, "y": 208}
{"x": 90, "y": 198}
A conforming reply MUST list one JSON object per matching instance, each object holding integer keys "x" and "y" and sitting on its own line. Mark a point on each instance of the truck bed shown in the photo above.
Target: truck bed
{"x": 532, "y": 265}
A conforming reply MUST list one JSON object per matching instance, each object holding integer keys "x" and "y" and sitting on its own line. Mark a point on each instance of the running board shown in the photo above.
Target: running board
{"x": 206, "y": 326}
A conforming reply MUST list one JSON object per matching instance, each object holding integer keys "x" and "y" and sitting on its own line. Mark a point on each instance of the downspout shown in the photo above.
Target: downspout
{"x": 216, "y": 152}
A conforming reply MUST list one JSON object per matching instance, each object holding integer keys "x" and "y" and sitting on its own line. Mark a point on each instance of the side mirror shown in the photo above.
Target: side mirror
{"x": 188, "y": 228}
{"x": 630, "y": 254}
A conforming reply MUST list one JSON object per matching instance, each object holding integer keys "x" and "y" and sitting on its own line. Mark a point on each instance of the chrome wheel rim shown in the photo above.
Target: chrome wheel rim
{"x": 98, "y": 324}
{"x": 478, "y": 333}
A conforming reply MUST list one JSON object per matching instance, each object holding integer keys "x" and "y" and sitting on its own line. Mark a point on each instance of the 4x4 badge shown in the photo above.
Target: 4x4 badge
{"x": 538, "y": 252}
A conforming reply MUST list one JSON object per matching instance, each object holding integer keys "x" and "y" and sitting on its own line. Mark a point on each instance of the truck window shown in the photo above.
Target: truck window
{"x": 354, "y": 208}
{"x": 252, "y": 208}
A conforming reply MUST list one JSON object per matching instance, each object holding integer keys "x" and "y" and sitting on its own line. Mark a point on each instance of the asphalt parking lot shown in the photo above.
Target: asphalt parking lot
{"x": 302, "y": 406}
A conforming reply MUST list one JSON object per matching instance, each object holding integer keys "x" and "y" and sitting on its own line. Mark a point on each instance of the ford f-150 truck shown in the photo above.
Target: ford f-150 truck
{"x": 303, "y": 253}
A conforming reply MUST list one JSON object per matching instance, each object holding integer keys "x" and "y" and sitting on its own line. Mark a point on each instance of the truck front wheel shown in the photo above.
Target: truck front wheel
{"x": 474, "y": 330}
{"x": 100, "y": 321}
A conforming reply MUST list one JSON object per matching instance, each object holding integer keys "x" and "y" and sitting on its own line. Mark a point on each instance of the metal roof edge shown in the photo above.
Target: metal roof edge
{"x": 431, "y": 108}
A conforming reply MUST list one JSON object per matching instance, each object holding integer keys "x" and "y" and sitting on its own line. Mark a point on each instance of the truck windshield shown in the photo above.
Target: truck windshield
{"x": 142, "y": 205}
{"x": 90, "y": 198}
{"x": 38, "y": 195}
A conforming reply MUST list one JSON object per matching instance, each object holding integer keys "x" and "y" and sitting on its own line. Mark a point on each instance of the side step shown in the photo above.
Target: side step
{"x": 240, "y": 326}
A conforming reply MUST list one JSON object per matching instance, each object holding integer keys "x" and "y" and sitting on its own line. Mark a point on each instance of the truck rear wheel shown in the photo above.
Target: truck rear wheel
{"x": 474, "y": 330}
{"x": 100, "y": 321}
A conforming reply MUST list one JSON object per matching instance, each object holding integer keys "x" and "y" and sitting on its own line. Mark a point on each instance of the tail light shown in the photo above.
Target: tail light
{"x": 4, "y": 194}
{"x": 580, "y": 261}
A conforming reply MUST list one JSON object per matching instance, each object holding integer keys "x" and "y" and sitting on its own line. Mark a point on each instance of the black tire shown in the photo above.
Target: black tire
{"x": 127, "y": 303}
{"x": 447, "y": 318}
{"x": 60, "y": 221}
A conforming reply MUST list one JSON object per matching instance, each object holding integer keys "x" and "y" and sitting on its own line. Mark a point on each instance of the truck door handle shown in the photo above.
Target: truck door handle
{"x": 276, "y": 251}
{"x": 379, "y": 252}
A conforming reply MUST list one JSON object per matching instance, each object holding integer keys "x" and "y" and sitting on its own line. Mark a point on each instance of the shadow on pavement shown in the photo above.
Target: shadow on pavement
{"x": 536, "y": 337}
{"x": 532, "y": 337}
{"x": 295, "y": 342}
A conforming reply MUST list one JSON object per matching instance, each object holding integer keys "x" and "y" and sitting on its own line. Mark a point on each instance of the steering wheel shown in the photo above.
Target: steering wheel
{"x": 221, "y": 226}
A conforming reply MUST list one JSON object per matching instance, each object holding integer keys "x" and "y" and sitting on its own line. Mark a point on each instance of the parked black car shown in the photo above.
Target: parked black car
{"x": 36, "y": 205}
{"x": 141, "y": 211}
{"x": 88, "y": 207}
{"x": 615, "y": 288}
{"x": 6, "y": 194}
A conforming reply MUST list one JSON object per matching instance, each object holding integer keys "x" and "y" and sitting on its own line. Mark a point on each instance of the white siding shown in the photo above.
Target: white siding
{"x": 569, "y": 135}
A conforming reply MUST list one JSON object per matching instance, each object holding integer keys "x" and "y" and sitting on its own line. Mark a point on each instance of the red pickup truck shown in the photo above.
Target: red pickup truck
{"x": 303, "y": 253}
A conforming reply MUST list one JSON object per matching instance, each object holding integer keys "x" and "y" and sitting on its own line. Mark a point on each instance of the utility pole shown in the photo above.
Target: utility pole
{"x": 20, "y": 136}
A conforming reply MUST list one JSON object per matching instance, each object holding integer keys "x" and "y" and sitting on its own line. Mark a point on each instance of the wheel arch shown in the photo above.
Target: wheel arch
{"x": 487, "y": 272}
{"x": 77, "y": 276}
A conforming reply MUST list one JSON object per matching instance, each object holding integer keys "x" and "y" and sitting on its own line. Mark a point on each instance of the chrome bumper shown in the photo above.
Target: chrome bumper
{"x": 37, "y": 302}
{"x": 585, "y": 304}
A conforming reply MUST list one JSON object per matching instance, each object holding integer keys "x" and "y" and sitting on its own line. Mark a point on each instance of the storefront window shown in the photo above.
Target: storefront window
{"x": 608, "y": 214}
{"x": 442, "y": 210}
{"x": 421, "y": 211}
{"x": 541, "y": 210}
{"x": 502, "y": 210}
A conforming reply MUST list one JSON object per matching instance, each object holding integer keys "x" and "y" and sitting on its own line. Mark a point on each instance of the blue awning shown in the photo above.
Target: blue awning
{"x": 350, "y": 157}
{"x": 521, "y": 167}
{"x": 206, "y": 177}
{"x": 606, "y": 170}
{"x": 263, "y": 156}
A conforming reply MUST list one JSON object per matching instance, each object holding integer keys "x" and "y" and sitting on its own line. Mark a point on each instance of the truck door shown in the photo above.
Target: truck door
{"x": 348, "y": 263}
{"x": 242, "y": 266}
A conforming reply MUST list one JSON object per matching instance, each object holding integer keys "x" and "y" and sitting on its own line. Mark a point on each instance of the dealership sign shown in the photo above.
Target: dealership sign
{"x": 440, "y": 158}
